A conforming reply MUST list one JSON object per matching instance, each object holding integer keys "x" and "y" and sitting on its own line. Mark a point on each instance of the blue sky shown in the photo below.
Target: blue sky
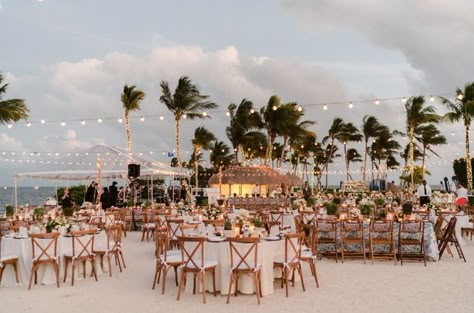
{"x": 69, "y": 60}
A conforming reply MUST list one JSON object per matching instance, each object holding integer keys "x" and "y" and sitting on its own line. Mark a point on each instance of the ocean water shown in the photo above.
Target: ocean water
{"x": 26, "y": 195}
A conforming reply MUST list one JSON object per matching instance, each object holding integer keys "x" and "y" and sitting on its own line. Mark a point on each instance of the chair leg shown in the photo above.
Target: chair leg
{"x": 181, "y": 282}
{"x": 15, "y": 267}
{"x": 56, "y": 271}
{"x": 203, "y": 287}
{"x": 33, "y": 271}
{"x": 286, "y": 280}
{"x": 93, "y": 267}
{"x": 123, "y": 260}
{"x": 255, "y": 281}
{"x": 165, "y": 272}
{"x": 155, "y": 279}
{"x": 313, "y": 266}
{"x": 73, "y": 269}
{"x": 231, "y": 280}
{"x": 176, "y": 275}
{"x": 214, "y": 281}
{"x": 110, "y": 264}
{"x": 66, "y": 261}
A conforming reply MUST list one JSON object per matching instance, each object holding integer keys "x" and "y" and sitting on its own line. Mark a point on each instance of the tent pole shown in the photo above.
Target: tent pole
{"x": 152, "y": 198}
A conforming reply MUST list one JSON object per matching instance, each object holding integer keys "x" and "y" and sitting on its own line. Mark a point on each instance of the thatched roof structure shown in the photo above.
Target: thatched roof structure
{"x": 261, "y": 175}
{"x": 293, "y": 179}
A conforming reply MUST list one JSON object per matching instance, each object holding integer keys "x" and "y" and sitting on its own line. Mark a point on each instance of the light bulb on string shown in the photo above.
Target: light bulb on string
{"x": 274, "y": 108}
{"x": 460, "y": 96}
{"x": 300, "y": 108}
{"x": 28, "y": 124}
{"x": 431, "y": 98}
{"x": 252, "y": 111}
{"x": 162, "y": 117}
{"x": 325, "y": 107}
{"x": 120, "y": 120}
{"x": 204, "y": 114}
{"x": 404, "y": 100}
{"x": 43, "y": 121}
{"x": 83, "y": 122}
{"x": 99, "y": 120}
{"x": 10, "y": 125}
{"x": 63, "y": 123}
{"x": 377, "y": 102}
{"x": 185, "y": 116}
{"x": 142, "y": 119}
{"x": 227, "y": 114}
{"x": 351, "y": 105}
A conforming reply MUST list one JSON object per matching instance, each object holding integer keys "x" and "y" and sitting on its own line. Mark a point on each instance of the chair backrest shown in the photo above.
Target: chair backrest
{"x": 161, "y": 246}
{"x": 21, "y": 223}
{"x": 355, "y": 225}
{"x": 44, "y": 246}
{"x": 109, "y": 219}
{"x": 173, "y": 228}
{"x": 412, "y": 229}
{"x": 308, "y": 217}
{"x": 96, "y": 220}
{"x": 187, "y": 229}
{"x": 114, "y": 237}
{"x": 293, "y": 243}
{"x": 325, "y": 225}
{"x": 449, "y": 233}
{"x": 192, "y": 251}
{"x": 438, "y": 226}
{"x": 4, "y": 227}
{"x": 243, "y": 253}
{"x": 276, "y": 216}
{"x": 82, "y": 243}
{"x": 381, "y": 229}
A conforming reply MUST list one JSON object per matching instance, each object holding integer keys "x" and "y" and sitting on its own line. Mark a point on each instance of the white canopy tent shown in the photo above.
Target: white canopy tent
{"x": 111, "y": 162}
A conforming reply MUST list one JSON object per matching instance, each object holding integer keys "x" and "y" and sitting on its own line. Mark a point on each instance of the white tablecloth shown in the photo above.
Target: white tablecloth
{"x": 22, "y": 249}
{"x": 268, "y": 251}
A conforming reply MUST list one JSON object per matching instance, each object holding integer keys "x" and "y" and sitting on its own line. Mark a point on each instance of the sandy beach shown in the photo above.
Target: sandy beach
{"x": 349, "y": 287}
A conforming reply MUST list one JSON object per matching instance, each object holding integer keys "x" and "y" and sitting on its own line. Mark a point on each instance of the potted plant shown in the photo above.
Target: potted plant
{"x": 365, "y": 209}
{"x": 68, "y": 211}
{"x": 336, "y": 201}
{"x": 220, "y": 202}
{"x": 379, "y": 201}
{"x": 407, "y": 208}
{"x": 38, "y": 213}
{"x": 9, "y": 210}
{"x": 331, "y": 208}
{"x": 257, "y": 222}
{"x": 228, "y": 232}
{"x": 382, "y": 214}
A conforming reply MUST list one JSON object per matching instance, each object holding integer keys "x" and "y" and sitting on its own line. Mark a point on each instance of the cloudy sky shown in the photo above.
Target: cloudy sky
{"x": 70, "y": 59}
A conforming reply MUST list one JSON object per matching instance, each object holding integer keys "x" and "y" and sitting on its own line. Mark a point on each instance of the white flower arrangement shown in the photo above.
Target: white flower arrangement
{"x": 299, "y": 203}
{"x": 354, "y": 212}
{"x": 212, "y": 212}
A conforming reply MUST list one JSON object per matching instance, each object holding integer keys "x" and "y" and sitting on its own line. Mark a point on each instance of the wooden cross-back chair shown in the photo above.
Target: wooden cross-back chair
{"x": 44, "y": 252}
{"x": 8, "y": 260}
{"x": 411, "y": 233}
{"x": 244, "y": 261}
{"x": 291, "y": 260}
{"x": 113, "y": 248}
{"x": 310, "y": 255}
{"x": 449, "y": 236}
{"x": 326, "y": 230}
{"x": 439, "y": 229}
{"x": 192, "y": 249}
{"x": 381, "y": 238}
{"x": 352, "y": 233}
{"x": 165, "y": 259}
{"x": 82, "y": 252}
{"x": 277, "y": 216}
{"x": 173, "y": 226}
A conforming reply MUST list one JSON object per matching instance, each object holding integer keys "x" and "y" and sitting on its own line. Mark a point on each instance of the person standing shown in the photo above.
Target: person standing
{"x": 424, "y": 193}
{"x": 106, "y": 199}
{"x": 114, "y": 193}
{"x": 462, "y": 195}
{"x": 306, "y": 191}
{"x": 90, "y": 192}
{"x": 255, "y": 190}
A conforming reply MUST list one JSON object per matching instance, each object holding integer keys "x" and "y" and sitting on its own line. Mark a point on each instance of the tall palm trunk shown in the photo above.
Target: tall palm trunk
{"x": 196, "y": 167}
{"x": 268, "y": 151}
{"x": 127, "y": 131}
{"x": 423, "y": 163}
{"x": 178, "y": 151}
{"x": 236, "y": 153}
{"x": 365, "y": 161}
{"x": 411, "y": 152}
{"x": 468, "y": 156}
{"x": 327, "y": 160}
{"x": 347, "y": 162}
{"x": 285, "y": 139}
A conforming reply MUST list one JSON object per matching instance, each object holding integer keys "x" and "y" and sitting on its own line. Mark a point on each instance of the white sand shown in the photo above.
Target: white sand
{"x": 445, "y": 286}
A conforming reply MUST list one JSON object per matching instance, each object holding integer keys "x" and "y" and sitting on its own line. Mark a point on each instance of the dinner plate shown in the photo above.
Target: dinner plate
{"x": 194, "y": 222}
{"x": 272, "y": 238}
{"x": 20, "y": 237}
{"x": 216, "y": 239}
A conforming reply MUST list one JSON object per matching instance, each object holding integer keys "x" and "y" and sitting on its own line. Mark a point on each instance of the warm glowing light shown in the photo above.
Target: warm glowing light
{"x": 377, "y": 102}
{"x": 120, "y": 120}
{"x": 28, "y": 124}
{"x": 431, "y": 98}
{"x": 325, "y": 107}
{"x": 204, "y": 113}
{"x": 43, "y": 121}
{"x": 351, "y": 105}
{"x": 227, "y": 113}
{"x": 274, "y": 108}
{"x": 99, "y": 120}
{"x": 185, "y": 116}
{"x": 162, "y": 117}
{"x": 252, "y": 111}
{"x": 142, "y": 119}
{"x": 83, "y": 122}
{"x": 63, "y": 123}
{"x": 404, "y": 99}
{"x": 300, "y": 109}
{"x": 10, "y": 126}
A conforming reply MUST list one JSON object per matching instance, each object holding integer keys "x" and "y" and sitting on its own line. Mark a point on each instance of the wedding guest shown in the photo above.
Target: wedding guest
{"x": 424, "y": 193}
{"x": 90, "y": 192}
{"x": 255, "y": 190}
{"x": 106, "y": 199}
{"x": 114, "y": 193}
{"x": 306, "y": 191}
{"x": 462, "y": 195}
{"x": 66, "y": 200}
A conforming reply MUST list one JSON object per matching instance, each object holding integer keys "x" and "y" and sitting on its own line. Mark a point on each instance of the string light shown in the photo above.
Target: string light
{"x": 162, "y": 117}
{"x": 10, "y": 125}
{"x": 185, "y": 116}
{"x": 227, "y": 113}
{"x": 43, "y": 121}
{"x": 431, "y": 98}
{"x": 300, "y": 108}
{"x": 351, "y": 105}
{"x": 404, "y": 100}
{"x": 63, "y": 123}
{"x": 204, "y": 113}
{"x": 325, "y": 107}
{"x": 252, "y": 111}
{"x": 120, "y": 120}
{"x": 460, "y": 96}
{"x": 142, "y": 119}
{"x": 28, "y": 124}
{"x": 99, "y": 120}
{"x": 377, "y": 102}
{"x": 83, "y": 122}
{"x": 274, "y": 108}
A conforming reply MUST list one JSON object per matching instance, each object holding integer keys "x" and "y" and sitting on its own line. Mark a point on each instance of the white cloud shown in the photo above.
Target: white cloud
{"x": 9, "y": 143}
{"x": 434, "y": 36}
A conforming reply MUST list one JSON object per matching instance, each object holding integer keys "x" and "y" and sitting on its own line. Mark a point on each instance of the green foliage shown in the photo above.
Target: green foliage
{"x": 257, "y": 222}
{"x": 38, "y": 213}
{"x": 407, "y": 208}
{"x": 379, "y": 201}
{"x": 201, "y": 201}
{"x": 459, "y": 167}
{"x": 382, "y": 214}
{"x": 9, "y": 210}
{"x": 68, "y": 211}
{"x": 365, "y": 209}
{"x": 336, "y": 201}
{"x": 147, "y": 204}
{"x": 227, "y": 225}
{"x": 417, "y": 175}
{"x": 75, "y": 192}
{"x": 310, "y": 201}
{"x": 331, "y": 208}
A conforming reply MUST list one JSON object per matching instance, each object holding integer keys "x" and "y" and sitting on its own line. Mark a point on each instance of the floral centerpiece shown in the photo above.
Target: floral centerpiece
{"x": 182, "y": 208}
{"x": 354, "y": 212}
{"x": 54, "y": 224}
{"x": 212, "y": 212}
{"x": 299, "y": 204}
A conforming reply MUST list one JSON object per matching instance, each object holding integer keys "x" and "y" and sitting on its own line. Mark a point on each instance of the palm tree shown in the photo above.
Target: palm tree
{"x": 131, "y": 98}
{"x": 11, "y": 110}
{"x": 352, "y": 156}
{"x": 349, "y": 133}
{"x": 384, "y": 149}
{"x": 463, "y": 109}
{"x": 429, "y": 136}
{"x": 220, "y": 156}
{"x": 292, "y": 128}
{"x": 185, "y": 102}
{"x": 337, "y": 127}
{"x": 203, "y": 139}
{"x": 417, "y": 115}
{"x": 243, "y": 124}
{"x": 371, "y": 128}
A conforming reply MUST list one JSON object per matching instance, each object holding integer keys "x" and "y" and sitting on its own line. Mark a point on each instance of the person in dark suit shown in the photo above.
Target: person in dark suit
{"x": 306, "y": 191}
{"x": 114, "y": 193}
{"x": 90, "y": 192}
{"x": 106, "y": 199}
